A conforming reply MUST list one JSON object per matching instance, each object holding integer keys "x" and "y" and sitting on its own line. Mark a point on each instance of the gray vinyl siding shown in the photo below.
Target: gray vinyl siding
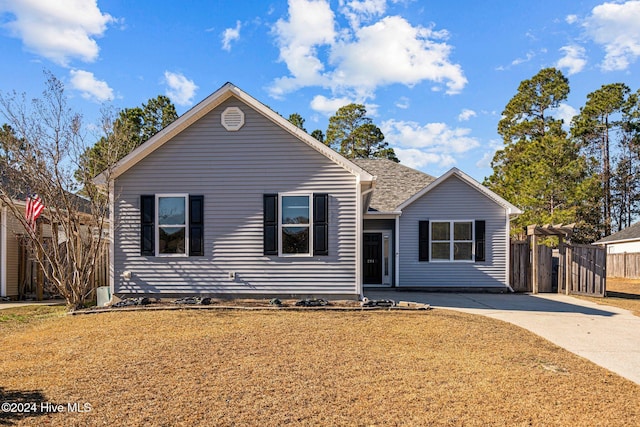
{"x": 454, "y": 199}
{"x": 233, "y": 170}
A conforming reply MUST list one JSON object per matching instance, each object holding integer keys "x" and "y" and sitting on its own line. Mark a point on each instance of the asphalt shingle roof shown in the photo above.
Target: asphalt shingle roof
{"x": 395, "y": 182}
{"x": 630, "y": 233}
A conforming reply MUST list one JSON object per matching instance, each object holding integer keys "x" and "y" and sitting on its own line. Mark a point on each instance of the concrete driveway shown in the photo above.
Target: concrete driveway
{"x": 607, "y": 336}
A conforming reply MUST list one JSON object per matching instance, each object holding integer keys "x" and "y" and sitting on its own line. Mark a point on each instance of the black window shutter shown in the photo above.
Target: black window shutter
{"x": 423, "y": 241}
{"x": 147, "y": 220}
{"x": 270, "y": 216}
{"x": 196, "y": 225}
{"x": 480, "y": 240}
{"x": 320, "y": 224}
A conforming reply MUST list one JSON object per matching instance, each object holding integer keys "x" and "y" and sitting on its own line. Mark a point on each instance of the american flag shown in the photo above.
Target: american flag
{"x": 33, "y": 209}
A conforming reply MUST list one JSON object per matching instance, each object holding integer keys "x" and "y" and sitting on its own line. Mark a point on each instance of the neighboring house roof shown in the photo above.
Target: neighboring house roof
{"x": 207, "y": 105}
{"x": 12, "y": 182}
{"x": 628, "y": 234}
{"x": 395, "y": 183}
{"x": 513, "y": 210}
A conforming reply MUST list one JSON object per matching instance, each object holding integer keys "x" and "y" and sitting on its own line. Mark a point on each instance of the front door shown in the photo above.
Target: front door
{"x": 372, "y": 258}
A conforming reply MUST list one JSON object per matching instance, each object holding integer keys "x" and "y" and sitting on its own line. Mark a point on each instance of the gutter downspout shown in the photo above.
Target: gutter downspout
{"x": 508, "y": 250}
{"x": 3, "y": 253}
{"x": 112, "y": 240}
{"x": 396, "y": 282}
{"x": 359, "y": 221}
{"x": 359, "y": 231}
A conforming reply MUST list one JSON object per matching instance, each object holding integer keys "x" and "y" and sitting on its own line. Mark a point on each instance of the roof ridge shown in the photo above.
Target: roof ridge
{"x": 395, "y": 183}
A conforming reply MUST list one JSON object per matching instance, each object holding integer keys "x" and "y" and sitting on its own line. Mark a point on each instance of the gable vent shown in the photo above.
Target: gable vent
{"x": 232, "y": 119}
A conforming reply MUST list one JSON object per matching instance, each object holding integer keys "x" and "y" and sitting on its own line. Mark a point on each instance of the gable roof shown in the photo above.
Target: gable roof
{"x": 227, "y": 91}
{"x": 628, "y": 234}
{"x": 512, "y": 210}
{"x": 395, "y": 183}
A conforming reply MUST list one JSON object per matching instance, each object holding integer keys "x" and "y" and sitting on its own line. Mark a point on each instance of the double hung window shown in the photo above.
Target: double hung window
{"x": 451, "y": 241}
{"x": 172, "y": 214}
{"x": 171, "y": 225}
{"x": 295, "y": 225}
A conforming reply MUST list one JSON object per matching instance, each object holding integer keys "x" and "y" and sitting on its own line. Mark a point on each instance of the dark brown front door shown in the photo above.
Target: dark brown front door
{"x": 372, "y": 258}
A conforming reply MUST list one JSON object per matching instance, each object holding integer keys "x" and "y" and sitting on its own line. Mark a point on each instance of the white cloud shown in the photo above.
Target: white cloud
{"x": 432, "y": 136}
{"x": 393, "y": 51}
{"x": 573, "y": 60}
{"x": 310, "y": 25}
{"x": 528, "y": 57}
{"x": 487, "y": 157}
{"x": 403, "y": 102}
{"x": 466, "y": 114}
{"x": 615, "y": 27}
{"x": 418, "y": 159}
{"x": 230, "y": 35}
{"x": 571, "y": 19}
{"x": 90, "y": 88}
{"x": 359, "y": 59}
{"x": 180, "y": 89}
{"x": 485, "y": 161}
{"x": 58, "y": 30}
{"x": 435, "y": 143}
{"x": 327, "y": 106}
{"x": 565, "y": 112}
{"x": 358, "y": 11}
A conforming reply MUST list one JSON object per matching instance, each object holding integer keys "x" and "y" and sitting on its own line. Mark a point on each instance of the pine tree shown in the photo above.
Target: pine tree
{"x": 355, "y": 136}
{"x": 596, "y": 127}
{"x": 540, "y": 169}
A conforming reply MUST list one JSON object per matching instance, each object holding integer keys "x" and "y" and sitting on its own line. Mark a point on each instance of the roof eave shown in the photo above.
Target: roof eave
{"x": 631, "y": 239}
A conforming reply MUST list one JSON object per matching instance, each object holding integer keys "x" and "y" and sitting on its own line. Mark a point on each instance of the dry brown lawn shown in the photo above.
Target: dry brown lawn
{"x": 213, "y": 367}
{"x": 622, "y": 293}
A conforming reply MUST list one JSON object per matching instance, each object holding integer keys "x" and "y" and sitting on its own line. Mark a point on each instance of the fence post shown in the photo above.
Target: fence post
{"x": 534, "y": 264}
{"x": 562, "y": 262}
{"x": 568, "y": 276}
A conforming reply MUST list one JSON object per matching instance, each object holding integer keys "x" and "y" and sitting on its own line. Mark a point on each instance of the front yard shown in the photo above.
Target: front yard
{"x": 310, "y": 368}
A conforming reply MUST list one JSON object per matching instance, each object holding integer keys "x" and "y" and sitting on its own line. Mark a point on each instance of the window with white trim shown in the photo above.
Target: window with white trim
{"x": 295, "y": 225}
{"x": 451, "y": 240}
{"x": 172, "y": 238}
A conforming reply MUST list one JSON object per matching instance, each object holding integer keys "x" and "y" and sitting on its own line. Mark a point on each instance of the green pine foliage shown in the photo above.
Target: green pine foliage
{"x": 355, "y": 136}
{"x": 131, "y": 128}
{"x": 607, "y": 130}
{"x": 540, "y": 169}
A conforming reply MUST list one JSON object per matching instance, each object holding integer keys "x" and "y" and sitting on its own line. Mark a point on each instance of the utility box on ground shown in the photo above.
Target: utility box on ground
{"x": 103, "y": 295}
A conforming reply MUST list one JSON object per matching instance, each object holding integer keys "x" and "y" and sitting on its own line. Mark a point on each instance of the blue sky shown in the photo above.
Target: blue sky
{"x": 434, "y": 76}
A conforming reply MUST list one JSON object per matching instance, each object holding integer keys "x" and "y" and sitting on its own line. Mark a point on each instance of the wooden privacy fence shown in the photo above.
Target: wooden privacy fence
{"x": 578, "y": 269}
{"x": 623, "y": 265}
{"x": 520, "y": 271}
{"x": 32, "y": 284}
{"x": 586, "y": 271}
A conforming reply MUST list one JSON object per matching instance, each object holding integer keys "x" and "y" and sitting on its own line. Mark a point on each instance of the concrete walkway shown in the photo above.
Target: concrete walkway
{"x": 608, "y": 336}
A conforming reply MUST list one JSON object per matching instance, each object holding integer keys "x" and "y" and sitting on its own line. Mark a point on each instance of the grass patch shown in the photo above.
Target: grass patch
{"x": 11, "y": 317}
{"x": 306, "y": 368}
{"x": 622, "y": 293}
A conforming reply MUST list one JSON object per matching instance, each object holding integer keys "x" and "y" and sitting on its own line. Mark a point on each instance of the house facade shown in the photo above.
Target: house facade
{"x": 232, "y": 199}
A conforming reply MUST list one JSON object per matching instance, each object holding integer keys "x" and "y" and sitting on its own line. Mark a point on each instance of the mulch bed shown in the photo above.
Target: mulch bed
{"x": 136, "y": 304}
